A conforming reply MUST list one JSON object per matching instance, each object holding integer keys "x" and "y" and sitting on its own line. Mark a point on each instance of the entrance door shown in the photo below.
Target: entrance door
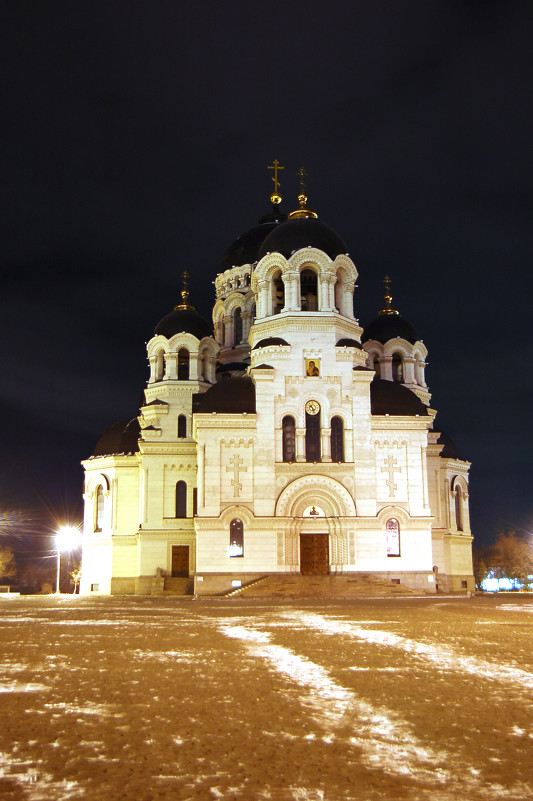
{"x": 180, "y": 560}
{"x": 314, "y": 554}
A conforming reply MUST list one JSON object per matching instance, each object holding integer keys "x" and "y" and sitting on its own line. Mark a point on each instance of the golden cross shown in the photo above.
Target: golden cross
{"x": 275, "y": 166}
{"x": 303, "y": 174}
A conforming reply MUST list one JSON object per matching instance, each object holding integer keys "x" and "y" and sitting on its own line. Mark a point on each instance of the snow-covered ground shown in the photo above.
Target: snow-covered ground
{"x": 142, "y": 699}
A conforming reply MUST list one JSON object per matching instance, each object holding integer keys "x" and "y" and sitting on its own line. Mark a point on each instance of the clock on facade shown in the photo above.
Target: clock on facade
{"x": 312, "y": 407}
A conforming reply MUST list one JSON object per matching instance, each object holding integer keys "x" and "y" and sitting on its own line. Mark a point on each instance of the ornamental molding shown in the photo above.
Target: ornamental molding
{"x": 315, "y": 489}
{"x": 394, "y": 443}
{"x": 391, "y": 422}
{"x": 237, "y": 443}
{"x": 153, "y": 449}
{"x": 287, "y": 322}
{"x": 124, "y": 540}
{"x": 237, "y": 300}
{"x": 113, "y": 460}
{"x": 233, "y": 420}
{"x": 95, "y": 480}
{"x": 309, "y": 256}
{"x": 166, "y": 534}
{"x": 171, "y": 390}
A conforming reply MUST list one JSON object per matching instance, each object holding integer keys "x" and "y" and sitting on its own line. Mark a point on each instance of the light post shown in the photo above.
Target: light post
{"x": 67, "y": 538}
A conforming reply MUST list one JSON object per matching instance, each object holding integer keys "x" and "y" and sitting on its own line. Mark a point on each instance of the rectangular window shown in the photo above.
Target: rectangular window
{"x": 95, "y": 588}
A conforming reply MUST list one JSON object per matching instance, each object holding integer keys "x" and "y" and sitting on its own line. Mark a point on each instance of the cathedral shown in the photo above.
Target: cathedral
{"x": 282, "y": 438}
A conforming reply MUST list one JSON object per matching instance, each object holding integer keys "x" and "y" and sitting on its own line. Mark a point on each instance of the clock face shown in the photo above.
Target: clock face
{"x": 312, "y": 407}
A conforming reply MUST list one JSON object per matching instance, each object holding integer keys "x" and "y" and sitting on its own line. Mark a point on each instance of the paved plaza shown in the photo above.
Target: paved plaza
{"x": 136, "y": 699}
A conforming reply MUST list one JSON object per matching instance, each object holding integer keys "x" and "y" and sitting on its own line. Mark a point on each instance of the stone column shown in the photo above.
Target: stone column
{"x": 409, "y": 370}
{"x": 153, "y": 369}
{"x": 300, "y": 444}
{"x": 386, "y": 367}
{"x": 228, "y": 325}
{"x": 292, "y": 299}
{"x": 325, "y": 436}
{"x": 171, "y": 365}
{"x": 193, "y": 366}
{"x": 262, "y": 309}
{"x": 246, "y": 324}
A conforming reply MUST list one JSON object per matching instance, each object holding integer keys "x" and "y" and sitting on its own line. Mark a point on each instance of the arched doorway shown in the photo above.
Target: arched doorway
{"x": 317, "y": 511}
{"x": 314, "y": 542}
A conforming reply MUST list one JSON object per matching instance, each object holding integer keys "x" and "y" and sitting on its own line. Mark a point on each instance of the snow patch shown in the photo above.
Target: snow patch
{"x": 445, "y": 658}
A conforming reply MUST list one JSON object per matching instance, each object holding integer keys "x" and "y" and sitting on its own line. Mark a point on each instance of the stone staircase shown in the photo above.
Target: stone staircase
{"x": 332, "y": 586}
{"x": 178, "y": 586}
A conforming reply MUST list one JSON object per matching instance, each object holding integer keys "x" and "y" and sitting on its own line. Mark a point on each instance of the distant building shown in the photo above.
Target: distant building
{"x": 289, "y": 439}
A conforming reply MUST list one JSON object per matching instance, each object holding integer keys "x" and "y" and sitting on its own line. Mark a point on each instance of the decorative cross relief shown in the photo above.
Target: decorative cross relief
{"x": 391, "y": 468}
{"x": 235, "y": 467}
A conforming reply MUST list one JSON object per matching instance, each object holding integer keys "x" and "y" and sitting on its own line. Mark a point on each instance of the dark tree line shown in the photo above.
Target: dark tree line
{"x": 511, "y": 556}
{"x": 36, "y": 572}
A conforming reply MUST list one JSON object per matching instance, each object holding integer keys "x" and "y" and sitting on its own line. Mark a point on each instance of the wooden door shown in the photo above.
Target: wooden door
{"x": 314, "y": 554}
{"x": 180, "y": 560}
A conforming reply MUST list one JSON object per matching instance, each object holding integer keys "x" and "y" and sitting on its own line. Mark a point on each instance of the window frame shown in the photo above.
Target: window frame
{"x": 236, "y": 539}
{"x": 392, "y": 538}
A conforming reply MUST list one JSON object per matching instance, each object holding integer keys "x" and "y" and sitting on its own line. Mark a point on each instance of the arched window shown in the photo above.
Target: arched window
{"x": 393, "y": 537}
{"x": 236, "y": 538}
{"x": 237, "y": 327}
{"x": 252, "y": 318}
{"x": 312, "y": 432}
{"x": 159, "y": 365}
{"x": 397, "y": 367}
{"x": 278, "y": 293}
{"x": 204, "y": 364}
{"x": 458, "y": 507}
{"x": 222, "y": 333}
{"x": 183, "y": 364}
{"x": 182, "y": 426}
{"x": 308, "y": 290}
{"x": 337, "y": 439}
{"x": 289, "y": 439}
{"x": 377, "y": 367}
{"x": 99, "y": 508}
{"x": 181, "y": 499}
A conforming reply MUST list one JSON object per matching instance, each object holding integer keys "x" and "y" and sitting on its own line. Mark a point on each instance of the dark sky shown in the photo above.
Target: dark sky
{"x": 135, "y": 141}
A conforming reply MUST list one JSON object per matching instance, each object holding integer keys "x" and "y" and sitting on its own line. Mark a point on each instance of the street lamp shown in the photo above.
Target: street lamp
{"x": 67, "y": 538}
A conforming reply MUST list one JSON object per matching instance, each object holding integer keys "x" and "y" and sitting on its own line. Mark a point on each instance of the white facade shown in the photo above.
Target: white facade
{"x": 299, "y": 459}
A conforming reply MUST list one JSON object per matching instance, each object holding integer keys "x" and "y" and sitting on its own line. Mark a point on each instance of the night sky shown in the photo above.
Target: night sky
{"x": 135, "y": 143}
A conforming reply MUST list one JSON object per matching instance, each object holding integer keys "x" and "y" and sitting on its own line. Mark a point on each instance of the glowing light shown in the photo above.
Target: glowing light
{"x": 67, "y": 539}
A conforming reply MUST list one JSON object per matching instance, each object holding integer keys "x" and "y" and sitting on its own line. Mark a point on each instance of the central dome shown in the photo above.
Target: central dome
{"x": 245, "y": 248}
{"x": 302, "y": 232}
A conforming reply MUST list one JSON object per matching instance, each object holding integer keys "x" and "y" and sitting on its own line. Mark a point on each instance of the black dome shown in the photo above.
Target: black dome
{"x": 230, "y": 370}
{"x": 183, "y": 320}
{"x": 245, "y": 248}
{"x": 302, "y": 232}
{"x": 389, "y": 326}
{"x": 231, "y": 396}
{"x": 390, "y": 397}
{"x": 121, "y": 438}
{"x": 449, "y": 450}
{"x": 264, "y": 343}
{"x": 348, "y": 343}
